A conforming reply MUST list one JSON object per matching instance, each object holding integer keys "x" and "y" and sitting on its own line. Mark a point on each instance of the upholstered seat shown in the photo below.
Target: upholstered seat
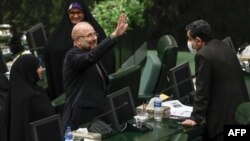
{"x": 167, "y": 49}
{"x": 149, "y": 77}
{"x": 242, "y": 114}
{"x": 138, "y": 58}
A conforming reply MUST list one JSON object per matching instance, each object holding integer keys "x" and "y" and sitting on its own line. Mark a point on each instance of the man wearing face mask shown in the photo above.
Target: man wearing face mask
{"x": 220, "y": 85}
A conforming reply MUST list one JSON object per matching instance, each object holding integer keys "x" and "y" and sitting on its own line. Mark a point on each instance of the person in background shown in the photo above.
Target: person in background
{"x": 220, "y": 85}
{"x": 4, "y": 98}
{"x": 85, "y": 79}
{"x": 60, "y": 42}
{"x": 15, "y": 44}
{"x": 28, "y": 101}
{"x": 3, "y": 65}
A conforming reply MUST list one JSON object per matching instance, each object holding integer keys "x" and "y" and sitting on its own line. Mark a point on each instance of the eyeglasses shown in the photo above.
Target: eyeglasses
{"x": 74, "y": 13}
{"x": 94, "y": 34}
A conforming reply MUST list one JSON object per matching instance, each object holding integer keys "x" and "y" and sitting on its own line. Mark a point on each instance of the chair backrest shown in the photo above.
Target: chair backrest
{"x": 180, "y": 137}
{"x": 129, "y": 62}
{"x": 127, "y": 77}
{"x": 141, "y": 55}
{"x": 167, "y": 49}
{"x": 138, "y": 58}
{"x": 242, "y": 113}
{"x": 150, "y": 74}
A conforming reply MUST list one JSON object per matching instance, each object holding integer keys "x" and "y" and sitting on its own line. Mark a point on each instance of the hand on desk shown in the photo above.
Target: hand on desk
{"x": 188, "y": 123}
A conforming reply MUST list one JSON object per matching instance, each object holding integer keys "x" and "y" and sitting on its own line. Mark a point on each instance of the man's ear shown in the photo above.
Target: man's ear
{"x": 200, "y": 41}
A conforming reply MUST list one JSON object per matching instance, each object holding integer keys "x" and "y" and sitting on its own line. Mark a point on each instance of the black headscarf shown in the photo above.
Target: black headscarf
{"x": 60, "y": 42}
{"x": 28, "y": 101}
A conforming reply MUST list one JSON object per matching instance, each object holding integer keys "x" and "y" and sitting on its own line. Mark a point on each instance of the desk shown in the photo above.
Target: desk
{"x": 162, "y": 131}
{"x": 247, "y": 80}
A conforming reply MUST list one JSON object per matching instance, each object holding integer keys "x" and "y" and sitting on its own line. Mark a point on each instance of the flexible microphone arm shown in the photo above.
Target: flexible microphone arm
{"x": 32, "y": 49}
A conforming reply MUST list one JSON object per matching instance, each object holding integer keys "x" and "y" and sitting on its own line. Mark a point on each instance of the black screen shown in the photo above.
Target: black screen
{"x": 122, "y": 104}
{"x": 47, "y": 129}
{"x": 36, "y": 38}
{"x": 181, "y": 80}
{"x": 129, "y": 77}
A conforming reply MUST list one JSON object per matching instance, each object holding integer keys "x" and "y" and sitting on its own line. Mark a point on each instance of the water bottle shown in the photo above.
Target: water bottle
{"x": 68, "y": 134}
{"x": 158, "y": 112}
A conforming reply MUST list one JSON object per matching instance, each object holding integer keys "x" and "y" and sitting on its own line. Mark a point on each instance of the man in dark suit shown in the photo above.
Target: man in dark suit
{"x": 85, "y": 79}
{"x": 220, "y": 85}
{"x": 4, "y": 98}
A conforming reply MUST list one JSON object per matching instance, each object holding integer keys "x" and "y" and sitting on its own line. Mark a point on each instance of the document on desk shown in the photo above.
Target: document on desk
{"x": 177, "y": 109}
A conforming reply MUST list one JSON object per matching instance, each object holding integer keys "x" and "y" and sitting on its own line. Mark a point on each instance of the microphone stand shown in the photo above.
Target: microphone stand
{"x": 100, "y": 126}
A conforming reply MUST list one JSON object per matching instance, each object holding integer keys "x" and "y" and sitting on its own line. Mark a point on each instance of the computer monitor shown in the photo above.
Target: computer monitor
{"x": 36, "y": 39}
{"x": 229, "y": 42}
{"x": 180, "y": 79}
{"x": 47, "y": 129}
{"x": 123, "y": 108}
{"x": 127, "y": 77}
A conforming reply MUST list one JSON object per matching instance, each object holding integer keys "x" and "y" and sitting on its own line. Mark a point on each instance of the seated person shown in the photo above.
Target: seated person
{"x": 28, "y": 101}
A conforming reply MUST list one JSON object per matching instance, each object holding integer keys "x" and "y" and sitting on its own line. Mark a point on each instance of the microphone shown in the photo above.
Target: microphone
{"x": 101, "y": 127}
{"x": 34, "y": 49}
{"x": 107, "y": 112}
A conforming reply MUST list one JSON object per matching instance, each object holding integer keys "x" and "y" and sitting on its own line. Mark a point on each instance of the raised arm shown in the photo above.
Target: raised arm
{"x": 121, "y": 27}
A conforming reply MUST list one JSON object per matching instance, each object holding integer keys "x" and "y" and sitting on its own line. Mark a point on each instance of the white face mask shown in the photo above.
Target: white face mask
{"x": 191, "y": 49}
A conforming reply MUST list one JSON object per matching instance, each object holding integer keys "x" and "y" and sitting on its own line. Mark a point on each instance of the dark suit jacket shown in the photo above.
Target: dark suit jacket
{"x": 4, "y": 98}
{"x": 83, "y": 85}
{"x": 220, "y": 86}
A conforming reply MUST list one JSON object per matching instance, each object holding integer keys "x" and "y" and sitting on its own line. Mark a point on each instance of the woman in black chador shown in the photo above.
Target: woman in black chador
{"x": 28, "y": 101}
{"x": 60, "y": 42}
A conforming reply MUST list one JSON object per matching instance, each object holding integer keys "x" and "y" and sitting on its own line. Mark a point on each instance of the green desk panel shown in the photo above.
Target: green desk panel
{"x": 162, "y": 131}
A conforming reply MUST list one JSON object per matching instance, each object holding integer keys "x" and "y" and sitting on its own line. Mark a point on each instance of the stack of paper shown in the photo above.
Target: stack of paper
{"x": 177, "y": 109}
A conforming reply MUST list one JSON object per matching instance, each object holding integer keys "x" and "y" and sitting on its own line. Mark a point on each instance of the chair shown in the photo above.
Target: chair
{"x": 180, "y": 137}
{"x": 138, "y": 58}
{"x": 149, "y": 77}
{"x": 141, "y": 55}
{"x": 242, "y": 113}
{"x": 167, "y": 49}
{"x": 127, "y": 77}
